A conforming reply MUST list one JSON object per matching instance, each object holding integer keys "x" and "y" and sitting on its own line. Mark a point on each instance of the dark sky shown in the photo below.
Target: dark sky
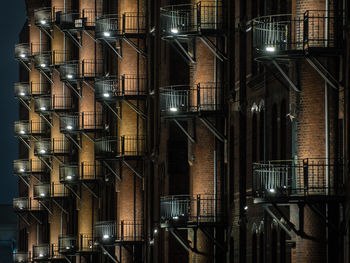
{"x": 12, "y": 18}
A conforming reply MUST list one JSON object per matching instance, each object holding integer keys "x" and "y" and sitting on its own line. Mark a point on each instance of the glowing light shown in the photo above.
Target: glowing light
{"x": 22, "y": 94}
{"x": 272, "y": 190}
{"x": 106, "y": 95}
{"x": 42, "y": 194}
{"x": 69, "y": 177}
{"x": 175, "y": 217}
{"x": 70, "y": 76}
{"x": 174, "y": 30}
{"x": 43, "y": 108}
{"x": 105, "y": 236}
{"x": 155, "y": 231}
{"x": 69, "y": 127}
{"x": 22, "y": 55}
{"x": 246, "y": 207}
{"x": 22, "y": 132}
{"x": 41, "y": 255}
{"x": 270, "y": 49}
{"x": 67, "y": 247}
{"x": 43, "y": 22}
{"x": 42, "y": 151}
{"x": 21, "y": 170}
{"x": 43, "y": 65}
{"x": 106, "y": 34}
{"x": 173, "y": 109}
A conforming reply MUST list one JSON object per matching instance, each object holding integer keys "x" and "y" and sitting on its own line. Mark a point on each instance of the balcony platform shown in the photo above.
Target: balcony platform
{"x": 27, "y": 205}
{"x": 29, "y": 166}
{"x": 55, "y": 103}
{"x": 26, "y": 90}
{"x": 78, "y": 71}
{"x": 52, "y": 147}
{"x": 76, "y": 174}
{"x": 82, "y": 122}
{"x": 47, "y": 191}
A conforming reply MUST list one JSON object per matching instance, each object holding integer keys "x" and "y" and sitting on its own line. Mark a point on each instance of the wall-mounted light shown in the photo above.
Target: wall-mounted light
{"x": 105, "y": 236}
{"x": 42, "y": 194}
{"x": 106, "y": 34}
{"x": 270, "y": 49}
{"x": 21, "y": 170}
{"x": 272, "y": 190}
{"x": 106, "y": 95}
{"x": 173, "y": 109}
{"x": 69, "y": 177}
{"x": 22, "y": 132}
{"x": 22, "y": 55}
{"x": 174, "y": 30}
{"x": 70, "y": 76}
{"x": 42, "y": 151}
{"x": 22, "y": 94}
{"x": 43, "y": 22}
{"x": 69, "y": 127}
{"x": 43, "y": 65}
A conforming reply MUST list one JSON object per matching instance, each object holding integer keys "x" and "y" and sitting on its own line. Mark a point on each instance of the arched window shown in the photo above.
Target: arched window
{"x": 261, "y": 135}
{"x": 254, "y": 138}
{"x": 274, "y": 128}
{"x": 283, "y": 131}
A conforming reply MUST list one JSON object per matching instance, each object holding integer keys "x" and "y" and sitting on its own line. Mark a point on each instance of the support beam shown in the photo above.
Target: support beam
{"x": 323, "y": 217}
{"x": 286, "y": 77}
{"x": 267, "y": 209}
{"x": 44, "y": 161}
{"x": 138, "y": 174}
{"x": 89, "y": 85}
{"x": 184, "y": 131}
{"x": 46, "y": 32}
{"x": 183, "y": 242}
{"x": 25, "y": 65}
{"x": 137, "y": 110}
{"x": 73, "y": 140}
{"x": 48, "y": 210}
{"x": 212, "y": 128}
{"x": 36, "y": 219}
{"x": 60, "y": 206}
{"x": 46, "y": 120}
{"x": 24, "y": 103}
{"x": 113, "y": 49}
{"x": 89, "y": 137}
{"x": 24, "y": 180}
{"x": 65, "y": 257}
{"x": 210, "y": 46}
{"x": 46, "y": 76}
{"x": 112, "y": 110}
{"x": 90, "y": 36}
{"x": 90, "y": 190}
{"x": 108, "y": 254}
{"x": 133, "y": 45}
{"x": 187, "y": 54}
{"x": 75, "y": 40}
{"x": 205, "y": 232}
{"x": 24, "y": 142}
{"x": 58, "y": 159}
{"x": 25, "y": 220}
{"x": 72, "y": 190}
{"x": 111, "y": 170}
{"x": 72, "y": 88}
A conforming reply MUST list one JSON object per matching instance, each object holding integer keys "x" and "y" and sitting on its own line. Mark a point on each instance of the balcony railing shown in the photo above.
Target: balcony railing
{"x": 80, "y": 70}
{"x": 47, "y": 190}
{"x": 54, "y": 146}
{"x": 43, "y": 252}
{"x": 177, "y": 100}
{"x": 124, "y": 146}
{"x": 298, "y": 178}
{"x": 53, "y": 103}
{"x": 22, "y": 52}
{"x": 115, "y": 26}
{"x": 81, "y": 121}
{"x": 43, "y": 60}
{"x": 21, "y": 257}
{"x": 111, "y": 232}
{"x": 26, "y": 166}
{"x": 44, "y": 17}
{"x": 290, "y": 32}
{"x": 26, "y": 90}
{"x": 67, "y": 244}
{"x": 84, "y": 172}
{"x": 113, "y": 88}
{"x": 204, "y": 17}
{"x": 86, "y": 243}
{"x": 22, "y": 204}
{"x": 77, "y": 20}
{"x": 188, "y": 209}
{"x": 25, "y": 128}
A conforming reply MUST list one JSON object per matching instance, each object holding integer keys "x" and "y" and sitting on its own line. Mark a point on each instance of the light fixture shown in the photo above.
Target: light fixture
{"x": 70, "y": 76}
{"x": 69, "y": 127}
{"x": 67, "y": 247}
{"x": 106, "y": 95}
{"x": 174, "y": 30}
{"x": 22, "y": 55}
{"x": 21, "y": 170}
{"x": 155, "y": 231}
{"x": 106, "y": 34}
{"x": 272, "y": 190}
{"x": 42, "y": 194}
{"x": 43, "y": 65}
{"x": 173, "y": 109}
{"x": 270, "y": 49}
{"x": 22, "y": 132}
{"x": 175, "y": 217}
{"x": 90, "y": 246}
{"x": 105, "y": 236}
{"x": 22, "y": 94}
{"x": 69, "y": 177}
{"x": 246, "y": 208}
{"x": 42, "y": 151}
{"x": 41, "y": 255}
{"x": 43, "y": 22}
{"x": 43, "y": 108}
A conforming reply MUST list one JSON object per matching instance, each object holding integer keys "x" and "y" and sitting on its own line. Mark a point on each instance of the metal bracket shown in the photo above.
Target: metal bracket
{"x": 182, "y": 241}
{"x": 72, "y": 190}
{"x": 89, "y": 35}
{"x": 89, "y": 137}
{"x": 72, "y": 88}
{"x": 119, "y": 54}
{"x": 213, "y": 48}
{"x": 183, "y": 52}
{"x": 58, "y": 159}
{"x": 205, "y": 232}
{"x": 25, "y": 220}
{"x": 112, "y": 110}
{"x": 25, "y": 65}
{"x": 316, "y": 64}
{"x": 111, "y": 170}
{"x": 323, "y": 217}
{"x": 134, "y": 46}
{"x": 36, "y": 219}
{"x": 24, "y": 142}
{"x": 48, "y": 210}
{"x": 75, "y": 40}
{"x": 89, "y": 85}
{"x": 60, "y": 206}
{"x": 285, "y": 76}
{"x": 24, "y": 180}
{"x": 108, "y": 254}
{"x": 46, "y": 76}
{"x": 45, "y": 119}
{"x": 46, "y": 32}
{"x": 278, "y": 221}
{"x": 138, "y": 174}
{"x": 36, "y": 178}
{"x": 73, "y": 140}
{"x": 184, "y": 131}
{"x": 67, "y": 259}
{"x": 133, "y": 107}
{"x": 90, "y": 190}
{"x": 24, "y": 103}
{"x": 47, "y": 165}
{"x": 212, "y": 128}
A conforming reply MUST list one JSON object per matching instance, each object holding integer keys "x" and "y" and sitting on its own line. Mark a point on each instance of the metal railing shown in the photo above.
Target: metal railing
{"x": 22, "y": 51}
{"x": 287, "y": 32}
{"x": 67, "y": 244}
{"x": 85, "y": 171}
{"x": 113, "y": 25}
{"x": 38, "y": 48}
{"x": 48, "y": 190}
{"x": 26, "y": 166}
{"x": 53, "y": 103}
{"x": 52, "y": 146}
{"x": 21, "y": 257}
{"x": 76, "y": 70}
{"x": 43, "y": 60}
{"x": 41, "y": 252}
{"x": 86, "y": 243}
{"x": 26, "y": 127}
{"x": 43, "y": 17}
{"x": 26, "y": 204}
{"x": 186, "y": 99}
{"x": 125, "y": 85}
{"x": 120, "y": 146}
{"x": 26, "y": 89}
{"x": 76, "y": 20}
{"x": 60, "y": 57}
{"x": 81, "y": 121}
{"x": 191, "y": 18}
{"x": 125, "y": 231}
{"x": 191, "y": 208}
{"x": 305, "y": 177}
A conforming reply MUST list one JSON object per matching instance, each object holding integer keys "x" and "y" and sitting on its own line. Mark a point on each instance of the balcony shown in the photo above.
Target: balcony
{"x": 72, "y": 174}
{"x": 50, "y": 190}
{"x": 294, "y": 180}
{"x": 43, "y": 61}
{"x": 86, "y": 244}
{"x": 23, "y": 52}
{"x": 31, "y": 128}
{"x": 49, "y": 147}
{"x": 76, "y": 20}
{"x": 188, "y": 210}
{"x": 32, "y": 166}
{"x": 45, "y": 252}
{"x": 44, "y": 17}
{"x": 26, "y": 204}
{"x": 26, "y": 90}
{"x": 120, "y": 147}
{"x": 67, "y": 244}
{"x": 202, "y": 18}
{"x": 54, "y": 103}
{"x": 124, "y": 87}
{"x": 74, "y": 71}
{"x": 81, "y": 122}
{"x": 21, "y": 257}
{"x": 181, "y": 100}
{"x": 291, "y": 34}
{"x": 111, "y": 232}
{"x": 113, "y": 26}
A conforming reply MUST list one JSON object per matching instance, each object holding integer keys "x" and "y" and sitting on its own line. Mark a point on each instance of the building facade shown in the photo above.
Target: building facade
{"x": 183, "y": 131}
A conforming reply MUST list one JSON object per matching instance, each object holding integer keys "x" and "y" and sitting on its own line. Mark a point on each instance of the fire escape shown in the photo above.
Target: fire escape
{"x": 181, "y": 27}
{"x": 280, "y": 40}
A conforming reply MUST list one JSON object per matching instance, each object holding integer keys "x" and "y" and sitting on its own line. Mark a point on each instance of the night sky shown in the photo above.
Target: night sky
{"x": 12, "y": 18}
